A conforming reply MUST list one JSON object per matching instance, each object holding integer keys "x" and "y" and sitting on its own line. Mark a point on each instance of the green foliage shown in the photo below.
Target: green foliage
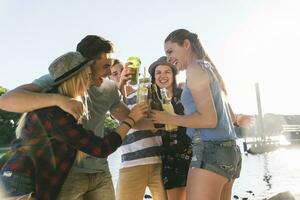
{"x": 109, "y": 124}
{"x": 2, "y": 90}
{"x": 8, "y": 123}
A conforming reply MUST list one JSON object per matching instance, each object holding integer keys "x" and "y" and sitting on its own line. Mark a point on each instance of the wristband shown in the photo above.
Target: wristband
{"x": 124, "y": 122}
{"x": 131, "y": 119}
{"x": 235, "y": 124}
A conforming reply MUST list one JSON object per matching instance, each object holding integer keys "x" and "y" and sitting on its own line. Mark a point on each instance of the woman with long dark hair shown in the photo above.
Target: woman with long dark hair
{"x": 177, "y": 150}
{"x": 216, "y": 160}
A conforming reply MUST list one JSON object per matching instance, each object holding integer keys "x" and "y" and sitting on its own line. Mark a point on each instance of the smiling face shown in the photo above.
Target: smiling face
{"x": 177, "y": 55}
{"x": 116, "y": 71}
{"x": 163, "y": 76}
{"x": 101, "y": 69}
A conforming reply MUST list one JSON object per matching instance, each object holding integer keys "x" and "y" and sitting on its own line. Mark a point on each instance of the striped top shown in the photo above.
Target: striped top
{"x": 140, "y": 147}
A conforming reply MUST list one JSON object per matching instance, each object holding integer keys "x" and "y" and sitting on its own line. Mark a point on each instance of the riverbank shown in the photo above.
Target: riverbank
{"x": 280, "y": 196}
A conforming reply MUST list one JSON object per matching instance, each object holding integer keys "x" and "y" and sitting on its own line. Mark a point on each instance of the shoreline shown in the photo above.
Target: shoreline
{"x": 287, "y": 195}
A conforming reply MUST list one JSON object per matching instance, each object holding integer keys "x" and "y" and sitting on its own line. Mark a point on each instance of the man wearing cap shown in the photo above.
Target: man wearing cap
{"x": 89, "y": 179}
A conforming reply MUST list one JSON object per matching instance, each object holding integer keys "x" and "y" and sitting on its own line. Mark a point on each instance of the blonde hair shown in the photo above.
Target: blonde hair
{"x": 71, "y": 88}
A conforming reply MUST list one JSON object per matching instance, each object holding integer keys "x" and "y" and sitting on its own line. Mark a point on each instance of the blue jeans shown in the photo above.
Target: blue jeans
{"x": 15, "y": 184}
{"x": 221, "y": 157}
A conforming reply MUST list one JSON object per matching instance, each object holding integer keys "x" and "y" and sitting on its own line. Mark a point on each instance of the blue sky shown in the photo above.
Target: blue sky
{"x": 248, "y": 40}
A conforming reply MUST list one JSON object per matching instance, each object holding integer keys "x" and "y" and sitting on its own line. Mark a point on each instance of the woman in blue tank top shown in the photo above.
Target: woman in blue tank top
{"x": 216, "y": 160}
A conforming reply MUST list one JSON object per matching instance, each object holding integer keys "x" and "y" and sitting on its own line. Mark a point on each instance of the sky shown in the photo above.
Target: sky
{"x": 249, "y": 41}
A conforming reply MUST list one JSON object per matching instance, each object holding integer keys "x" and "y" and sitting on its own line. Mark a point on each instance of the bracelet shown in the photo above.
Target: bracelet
{"x": 236, "y": 125}
{"x": 124, "y": 122}
{"x": 131, "y": 119}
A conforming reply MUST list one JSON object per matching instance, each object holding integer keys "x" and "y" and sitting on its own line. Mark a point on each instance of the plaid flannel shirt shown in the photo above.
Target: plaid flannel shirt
{"x": 47, "y": 149}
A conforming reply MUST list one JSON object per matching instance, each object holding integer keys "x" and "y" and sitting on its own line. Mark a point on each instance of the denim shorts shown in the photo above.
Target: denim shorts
{"x": 15, "y": 184}
{"x": 221, "y": 157}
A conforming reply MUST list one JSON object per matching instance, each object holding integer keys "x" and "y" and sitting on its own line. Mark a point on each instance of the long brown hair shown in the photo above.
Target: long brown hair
{"x": 178, "y": 36}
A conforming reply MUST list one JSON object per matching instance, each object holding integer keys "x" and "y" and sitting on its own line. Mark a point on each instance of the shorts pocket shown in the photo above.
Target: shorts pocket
{"x": 222, "y": 157}
{"x": 197, "y": 155}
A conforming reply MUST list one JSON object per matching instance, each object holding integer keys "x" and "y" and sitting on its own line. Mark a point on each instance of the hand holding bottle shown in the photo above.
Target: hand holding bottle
{"x": 168, "y": 107}
{"x": 126, "y": 74}
{"x": 155, "y": 103}
{"x": 134, "y": 64}
{"x": 160, "y": 117}
{"x": 139, "y": 111}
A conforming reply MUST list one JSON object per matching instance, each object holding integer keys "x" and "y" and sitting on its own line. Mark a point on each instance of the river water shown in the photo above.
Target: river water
{"x": 262, "y": 175}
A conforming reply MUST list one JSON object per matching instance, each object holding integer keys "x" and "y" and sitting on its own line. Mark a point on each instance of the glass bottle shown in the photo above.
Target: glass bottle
{"x": 142, "y": 91}
{"x": 135, "y": 66}
{"x": 155, "y": 102}
{"x": 168, "y": 107}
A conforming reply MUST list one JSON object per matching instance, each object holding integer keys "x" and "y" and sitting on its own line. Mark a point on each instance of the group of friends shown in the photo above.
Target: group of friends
{"x": 61, "y": 149}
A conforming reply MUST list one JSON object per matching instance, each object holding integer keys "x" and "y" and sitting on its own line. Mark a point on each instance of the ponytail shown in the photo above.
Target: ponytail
{"x": 178, "y": 36}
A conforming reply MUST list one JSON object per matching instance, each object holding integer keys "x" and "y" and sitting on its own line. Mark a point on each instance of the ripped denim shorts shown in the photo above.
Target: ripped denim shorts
{"x": 221, "y": 157}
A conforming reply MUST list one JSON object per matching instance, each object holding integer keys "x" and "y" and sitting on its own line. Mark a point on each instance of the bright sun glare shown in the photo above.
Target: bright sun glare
{"x": 264, "y": 49}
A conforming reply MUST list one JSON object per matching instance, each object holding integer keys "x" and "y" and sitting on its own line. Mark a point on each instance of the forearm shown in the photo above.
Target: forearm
{"x": 122, "y": 89}
{"x": 144, "y": 124}
{"x": 124, "y": 127}
{"x": 195, "y": 120}
{"x": 120, "y": 112}
{"x": 20, "y": 100}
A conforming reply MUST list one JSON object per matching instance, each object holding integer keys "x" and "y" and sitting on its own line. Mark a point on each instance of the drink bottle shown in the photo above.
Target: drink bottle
{"x": 136, "y": 63}
{"x": 168, "y": 107}
{"x": 155, "y": 102}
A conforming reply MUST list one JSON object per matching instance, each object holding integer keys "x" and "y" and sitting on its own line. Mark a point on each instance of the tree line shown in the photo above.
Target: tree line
{"x": 8, "y": 123}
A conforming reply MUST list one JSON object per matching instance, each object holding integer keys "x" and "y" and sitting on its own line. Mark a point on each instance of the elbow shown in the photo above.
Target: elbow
{"x": 212, "y": 123}
{"x": 209, "y": 122}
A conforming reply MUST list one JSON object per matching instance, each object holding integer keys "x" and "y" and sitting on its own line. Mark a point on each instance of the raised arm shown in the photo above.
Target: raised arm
{"x": 28, "y": 97}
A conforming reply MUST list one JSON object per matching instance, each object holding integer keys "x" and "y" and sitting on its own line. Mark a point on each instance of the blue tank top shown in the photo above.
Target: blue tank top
{"x": 224, "y": 129}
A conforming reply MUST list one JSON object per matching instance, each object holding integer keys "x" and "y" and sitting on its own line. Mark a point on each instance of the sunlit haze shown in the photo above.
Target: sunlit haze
{"x": 249, "y": 41}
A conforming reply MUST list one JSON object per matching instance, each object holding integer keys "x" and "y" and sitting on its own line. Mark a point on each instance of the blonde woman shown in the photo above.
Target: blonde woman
{"x": 49, "y": 139}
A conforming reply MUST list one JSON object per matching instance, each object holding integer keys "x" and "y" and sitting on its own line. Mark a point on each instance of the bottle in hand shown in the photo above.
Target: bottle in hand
{"x": 155, "y": 102}
{"x": 168, "y": 107}
{"x": 135, "y": 66}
